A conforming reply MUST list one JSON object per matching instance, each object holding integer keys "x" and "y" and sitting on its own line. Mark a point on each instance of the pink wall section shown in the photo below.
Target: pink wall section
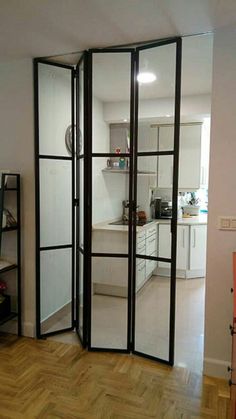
{"x": 222, "y": 201}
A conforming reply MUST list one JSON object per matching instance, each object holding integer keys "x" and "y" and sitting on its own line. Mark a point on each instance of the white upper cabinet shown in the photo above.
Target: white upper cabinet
{"x": 189, "y": 157}
{"x": 165, "y": 163}
{"x": 147, "y": 141}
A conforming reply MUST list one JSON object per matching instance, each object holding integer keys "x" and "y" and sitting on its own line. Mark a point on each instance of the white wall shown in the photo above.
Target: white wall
{"x": 17, "y": 154}
{"x": 222, "y": 201}
{"x": 109, "y": 189}
{"x": 155, "y": 108}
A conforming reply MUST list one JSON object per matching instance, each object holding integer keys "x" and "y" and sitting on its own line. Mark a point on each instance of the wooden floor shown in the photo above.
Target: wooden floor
{"x": 47, "y": 379}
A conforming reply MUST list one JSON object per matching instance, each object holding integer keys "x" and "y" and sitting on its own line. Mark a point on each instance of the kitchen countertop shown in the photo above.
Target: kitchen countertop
{"x": 201, "y": 220}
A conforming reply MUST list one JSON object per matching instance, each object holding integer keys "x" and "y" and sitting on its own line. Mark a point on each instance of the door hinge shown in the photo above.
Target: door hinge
{"x": 76, "y": 202}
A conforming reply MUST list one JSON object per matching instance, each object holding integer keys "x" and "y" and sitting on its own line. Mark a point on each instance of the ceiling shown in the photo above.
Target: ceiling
{"x": 31, "y": 28}
{"x": 111, "y": 71}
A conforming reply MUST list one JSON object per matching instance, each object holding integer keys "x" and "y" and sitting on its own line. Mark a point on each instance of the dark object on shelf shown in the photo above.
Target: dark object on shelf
{"x": 10, "y": 184}
{"x": 5, "y": 306}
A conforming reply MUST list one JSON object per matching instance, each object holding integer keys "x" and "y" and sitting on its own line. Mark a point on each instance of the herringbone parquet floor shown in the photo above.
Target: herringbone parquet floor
{"x": 46, "y": 379}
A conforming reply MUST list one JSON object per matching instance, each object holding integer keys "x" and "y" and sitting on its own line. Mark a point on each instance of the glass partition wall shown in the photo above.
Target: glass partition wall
{"x": 120, "y": 158}
{"x": 54, "y": 97}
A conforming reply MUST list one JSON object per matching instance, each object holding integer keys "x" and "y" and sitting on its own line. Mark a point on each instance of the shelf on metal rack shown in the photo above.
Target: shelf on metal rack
{"x": 12, "y": 228}
{"x": 8, "y": 318}
{"x": 6, "y": 266}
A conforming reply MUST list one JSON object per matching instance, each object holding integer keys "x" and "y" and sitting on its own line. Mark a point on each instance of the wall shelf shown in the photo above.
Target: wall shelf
{"x": 126, "y": 171}
{"x": 6, "y": 319}
{"x": 6, "y": 266}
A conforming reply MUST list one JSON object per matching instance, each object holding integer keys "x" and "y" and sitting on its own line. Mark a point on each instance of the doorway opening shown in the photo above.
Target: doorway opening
{"x": 122, "y": 173}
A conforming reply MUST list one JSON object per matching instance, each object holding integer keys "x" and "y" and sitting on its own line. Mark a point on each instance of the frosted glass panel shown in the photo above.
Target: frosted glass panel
{"x": 55, "y": 283}
{"x": 55, "y": 202}
{"x": 109, "y": 302}
{"x": 54, "y": 109}
{"x": 111, "y": 101}
{"x": 154, "y": 108}
{"x": 81, "y": 203}
{"x": 152, "y": 311}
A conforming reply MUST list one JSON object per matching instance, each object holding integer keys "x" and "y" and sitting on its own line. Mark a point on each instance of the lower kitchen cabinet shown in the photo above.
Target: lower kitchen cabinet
{"x": 198, "y": 238}
{"x": 191, "y": 250}
{"x": 110, "y": 275}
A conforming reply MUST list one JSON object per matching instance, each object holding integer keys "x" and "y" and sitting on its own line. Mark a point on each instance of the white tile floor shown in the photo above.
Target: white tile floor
{"x": 109, "y": 321}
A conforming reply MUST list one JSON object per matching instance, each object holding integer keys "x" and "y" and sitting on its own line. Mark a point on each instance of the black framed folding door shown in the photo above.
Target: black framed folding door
{"x": 54, "y": 165}
{"x": 156, "y": 154}
{"x": 81, "y": 202}
{"x": 110, "y": 168}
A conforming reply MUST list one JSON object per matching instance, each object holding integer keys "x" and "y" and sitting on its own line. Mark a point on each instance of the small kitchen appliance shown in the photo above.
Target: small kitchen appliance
{"x": 163, "y": 209}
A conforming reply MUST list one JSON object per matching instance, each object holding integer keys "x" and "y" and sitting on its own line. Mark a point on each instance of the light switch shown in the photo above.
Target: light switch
{"x": 233, "y": 223}
{"x": 227, "y": 223}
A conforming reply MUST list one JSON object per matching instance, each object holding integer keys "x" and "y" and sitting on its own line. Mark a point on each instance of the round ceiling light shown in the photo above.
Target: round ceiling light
{"x": 146, "y": 77}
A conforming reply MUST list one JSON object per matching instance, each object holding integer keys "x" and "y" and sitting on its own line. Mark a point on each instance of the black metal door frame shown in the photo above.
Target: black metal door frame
{"x": 88, "y": 175}
{"x": 175, "y": 154}
{"x": 38, "y": 157}
{"x": 133, "y": 155}
{"x": 88, "y": 156}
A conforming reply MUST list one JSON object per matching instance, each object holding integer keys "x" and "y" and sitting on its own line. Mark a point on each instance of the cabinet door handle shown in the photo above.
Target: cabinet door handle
{"x": 194, "y": 237}
{"x": 141, "y": 269}
{"x": 183, "y": 238}
{"x": 153, "y": 240}
{"x": 202, "y": 175}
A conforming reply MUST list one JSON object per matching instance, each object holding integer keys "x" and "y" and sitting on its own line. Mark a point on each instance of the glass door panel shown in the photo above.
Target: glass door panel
{"x": 156, "y": 182}
{"x": 111, "y": 195}
{"x": 152, "y": 300}
{"x": 54, "y": 106}
{"x": 109, "y": 302}
{"x": 56, "y": 289}
{"x": 55, "y": 202}
{"x": 81, "y": 286}
{"x": 55, "y": 188}
{"x": 156, "y": 84}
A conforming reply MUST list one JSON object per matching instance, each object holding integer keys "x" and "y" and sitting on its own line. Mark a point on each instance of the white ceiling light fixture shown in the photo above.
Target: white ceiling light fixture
{"x": 146, "y": 77}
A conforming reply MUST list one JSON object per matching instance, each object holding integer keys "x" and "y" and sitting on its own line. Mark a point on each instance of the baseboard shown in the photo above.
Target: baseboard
{"x": 181, "y": 273}
{"x": 56, "y": 317}
{"x": 216, "y": 368}
{"x": 28, "y": 329}
{"x": 112, "y": 290}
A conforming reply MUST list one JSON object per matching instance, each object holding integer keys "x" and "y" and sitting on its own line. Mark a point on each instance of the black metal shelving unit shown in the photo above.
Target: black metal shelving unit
{"x": 5, "y": 265}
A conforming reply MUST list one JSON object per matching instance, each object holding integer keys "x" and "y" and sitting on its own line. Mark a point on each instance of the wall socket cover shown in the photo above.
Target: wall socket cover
{"x": 226, "y": 222}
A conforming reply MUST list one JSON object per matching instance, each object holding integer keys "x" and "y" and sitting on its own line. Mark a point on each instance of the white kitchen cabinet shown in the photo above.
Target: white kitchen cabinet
{"x": 198, "y": 238}
{"x": 147, "y": 141}
{"x": 164, "y": 239}
{"x": 165, "y": 163}
{"x": 189, "y": 156}
{"x": 110, "y": 275}
{"x": 191, "y": 250}
{"x": 182, "y": 246}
